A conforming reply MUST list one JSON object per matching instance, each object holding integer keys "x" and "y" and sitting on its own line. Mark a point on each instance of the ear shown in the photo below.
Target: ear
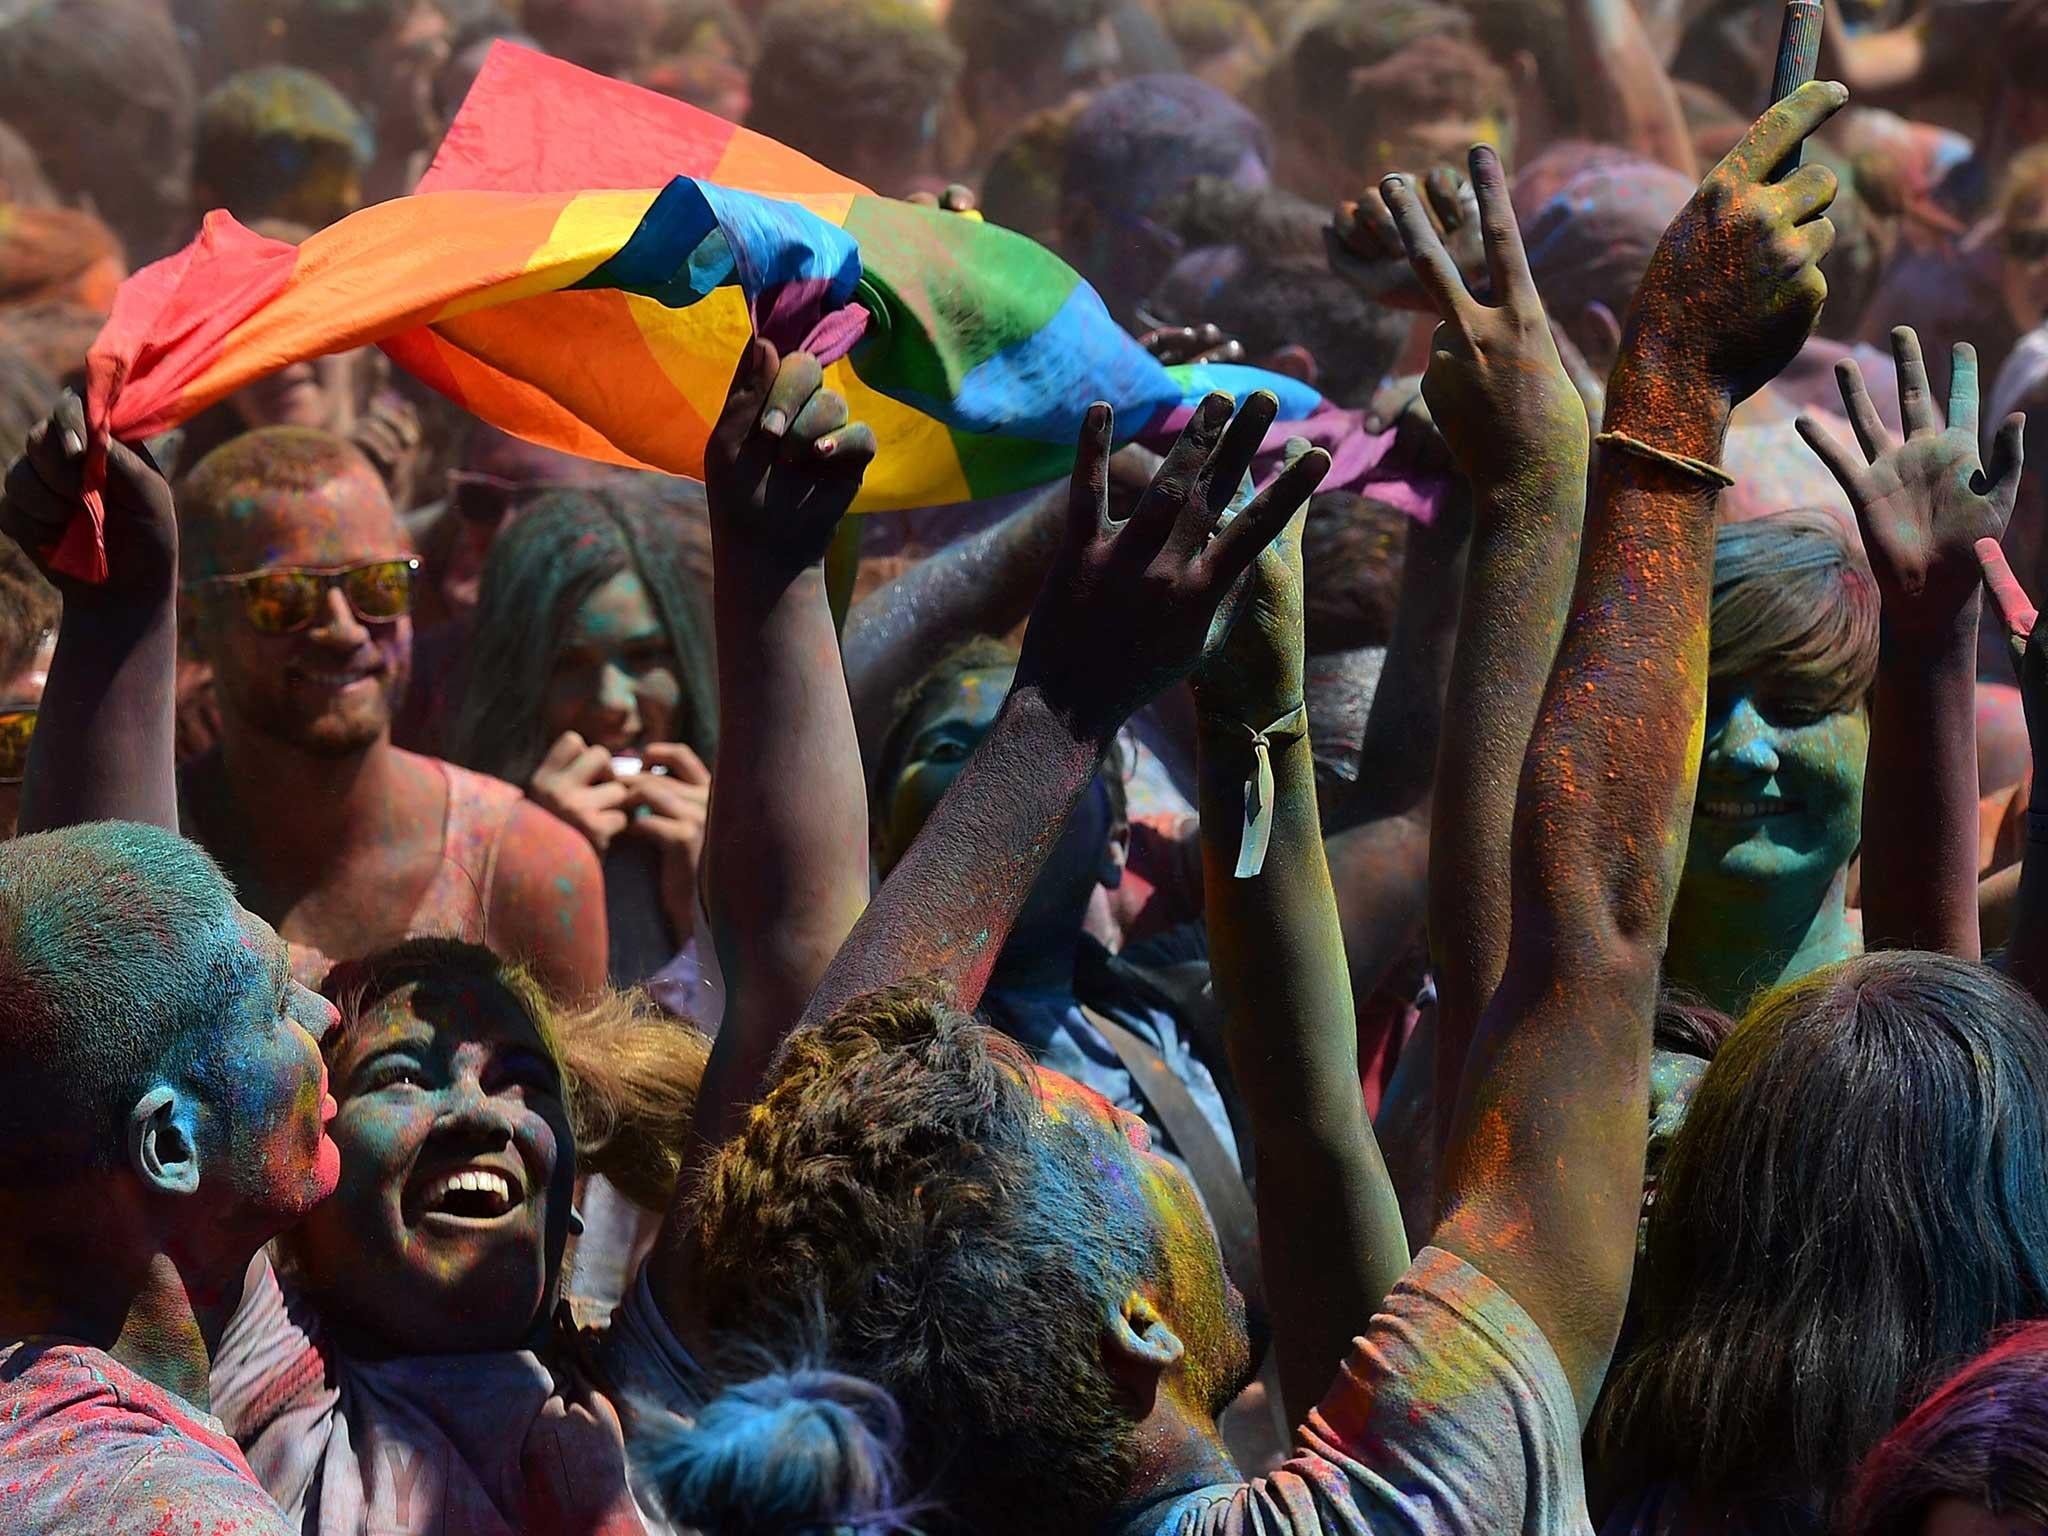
{"x": 162, "y": 1150}
{"x": 1598, "y": 335}
{"x": 1138, "y": 1347}
{"x": 1294, "y": 360}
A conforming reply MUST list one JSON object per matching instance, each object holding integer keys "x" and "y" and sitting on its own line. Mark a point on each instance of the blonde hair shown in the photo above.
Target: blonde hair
{"x": 629, "y": 1071}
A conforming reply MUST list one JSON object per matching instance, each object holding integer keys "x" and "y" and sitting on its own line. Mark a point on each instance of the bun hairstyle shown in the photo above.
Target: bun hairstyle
{"x": 804, "y": 1450}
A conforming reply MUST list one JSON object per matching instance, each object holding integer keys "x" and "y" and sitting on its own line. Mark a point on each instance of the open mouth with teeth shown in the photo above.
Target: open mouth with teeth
{"x": 472, "y": 1194}
{"x": 1744, "y": 810}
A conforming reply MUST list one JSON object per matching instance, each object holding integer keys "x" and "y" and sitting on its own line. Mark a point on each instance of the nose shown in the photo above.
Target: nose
{"x": 471, "y": 1113}
{"x": 315, "y": 1015}
{"x": 1745, "y": 743}
{"x": 338, "y": 625}
{"x": 617, "y": 697}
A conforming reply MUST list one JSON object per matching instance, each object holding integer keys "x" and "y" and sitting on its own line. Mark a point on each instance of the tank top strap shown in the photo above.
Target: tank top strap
{"x": 457, "y": 901}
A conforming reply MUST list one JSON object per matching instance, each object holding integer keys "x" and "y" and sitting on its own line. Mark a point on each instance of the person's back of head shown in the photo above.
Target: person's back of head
{"x": 119, "y": 956}
{"x": 1978, "y": 1445}
{"x": 58, "y": 255}
{"x": 1590, "y": 242}
{"x": 1135, "y": 146}
{"x": 1021, "y": 57}
{"x": 857, "y": 84}
{"x": 280, "y": 142}
{"x": 910, "y": 1177}
{"x": 103, "y": 94}
{"x": 1858, "y": 1195}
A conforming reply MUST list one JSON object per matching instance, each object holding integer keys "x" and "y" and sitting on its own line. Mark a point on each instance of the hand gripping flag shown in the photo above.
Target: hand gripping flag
{"x": 581, "y": 267}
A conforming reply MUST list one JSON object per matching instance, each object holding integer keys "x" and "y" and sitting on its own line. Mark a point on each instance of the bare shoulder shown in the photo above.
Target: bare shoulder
{"x": 547, "y": 901}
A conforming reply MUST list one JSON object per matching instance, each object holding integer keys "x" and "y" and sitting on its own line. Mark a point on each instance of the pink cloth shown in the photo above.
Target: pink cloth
{"x": 86, "y": 1445}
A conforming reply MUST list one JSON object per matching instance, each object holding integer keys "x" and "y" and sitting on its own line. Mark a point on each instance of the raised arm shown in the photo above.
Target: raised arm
{"x": 103, "y": 747}
{"x": 1922, "y": 505}
{"x": 2026, "y": 949}
{"x": 1625, "y": 95}
{"x": 981, "y": 585}
{"x": 1127, "y": 610}
{"x": 786, "y": 863}
{"x": 1330, "y": 1238}
{"x": 1517, "y": 429}
{"x": 1542, "y": 1179}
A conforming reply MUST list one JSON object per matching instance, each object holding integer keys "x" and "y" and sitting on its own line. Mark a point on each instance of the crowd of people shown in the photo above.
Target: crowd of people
{"x": 538, "y": 997}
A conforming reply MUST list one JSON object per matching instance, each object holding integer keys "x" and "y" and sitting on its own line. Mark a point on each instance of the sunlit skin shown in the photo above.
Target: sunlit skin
{"x": 268, "y": 1088}
{"x": 22, "y": 691}
{"x": 614, "y": 679}
{"x": 1777, "y": 817}
{"x": 2023, "y": 267}
{"x": 331, "y": 687}
{"x": 327, "y": 829}
{"x": 1189, "y": 1285}
{"x": 437, "y": 1078}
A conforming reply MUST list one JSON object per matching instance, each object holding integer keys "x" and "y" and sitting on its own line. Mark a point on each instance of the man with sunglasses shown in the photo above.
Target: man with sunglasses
{"x": 297, "y": 584}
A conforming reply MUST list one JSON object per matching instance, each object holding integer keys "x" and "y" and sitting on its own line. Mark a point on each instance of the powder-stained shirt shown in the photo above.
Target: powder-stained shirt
{"x": 87, "y": 1445}
{"x": 413, "y": 1445}
{"x": 1451, "y": 1417}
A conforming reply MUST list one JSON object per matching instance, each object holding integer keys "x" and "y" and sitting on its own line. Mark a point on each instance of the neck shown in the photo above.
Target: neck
{"x": 158, "y": 1313}
{"x": 1731, "y": 945}
{"x": 1178, "y": 1451}
{"x": 310, "y": 805}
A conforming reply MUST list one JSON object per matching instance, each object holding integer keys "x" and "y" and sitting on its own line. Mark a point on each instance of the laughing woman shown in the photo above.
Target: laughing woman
{"x": 1779, "y": 808}
{"x": 405, "y": 1365}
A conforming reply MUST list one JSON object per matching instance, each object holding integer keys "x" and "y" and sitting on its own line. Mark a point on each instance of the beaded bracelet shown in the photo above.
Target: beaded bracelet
{"x": 1258, "y": 784}
{"x": 1699, "y": 469}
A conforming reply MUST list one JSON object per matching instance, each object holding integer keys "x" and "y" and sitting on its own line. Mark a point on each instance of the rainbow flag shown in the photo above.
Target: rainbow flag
{"x": 581, "y": 267}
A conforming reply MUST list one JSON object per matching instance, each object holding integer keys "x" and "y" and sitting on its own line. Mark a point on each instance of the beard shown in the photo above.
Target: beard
{"x": 330, "y": 726}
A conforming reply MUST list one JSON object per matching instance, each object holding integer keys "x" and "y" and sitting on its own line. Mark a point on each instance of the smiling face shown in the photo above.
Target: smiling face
{"x": 614, "y": 680}
{"x": 1780, "y": 800}
{"x": 329, "y": 688}
{"x": 1186, "y": 1275}
{"x": 446, "y": 1232}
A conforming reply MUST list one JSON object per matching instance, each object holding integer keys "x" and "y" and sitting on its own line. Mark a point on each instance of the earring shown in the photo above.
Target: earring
{"x": 575, "y": 1222}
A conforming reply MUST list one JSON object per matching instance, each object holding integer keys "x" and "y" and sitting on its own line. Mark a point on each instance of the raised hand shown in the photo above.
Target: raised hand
{"x": 670, "y": 809}
{"x": 1923, "y": 504}
{"x": 1255, "y": 676}
{"x": 1173, "y": 344}
{"x": 1496, "y": 385}
{"x": 1734, "y": 287}
{"x": 46, "y": 489}
{"x": 1129, "y": 608}
{"x": 784, "y": 462}
{"x": 2028, "y": 637}
{"x": 1367, "y": 249}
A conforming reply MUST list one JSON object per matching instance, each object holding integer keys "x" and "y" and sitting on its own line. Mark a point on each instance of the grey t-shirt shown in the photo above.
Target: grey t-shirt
{"x": 1450, "y": 1417}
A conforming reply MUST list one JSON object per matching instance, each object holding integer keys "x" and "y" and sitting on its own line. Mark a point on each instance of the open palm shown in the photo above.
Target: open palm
{"x": 1923, "y": 503}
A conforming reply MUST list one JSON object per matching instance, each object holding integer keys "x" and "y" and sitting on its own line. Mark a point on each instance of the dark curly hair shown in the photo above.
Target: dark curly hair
{"x": 903, "y": 1179}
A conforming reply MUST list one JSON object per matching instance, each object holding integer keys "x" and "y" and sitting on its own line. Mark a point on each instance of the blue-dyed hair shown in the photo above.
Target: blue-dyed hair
{"x": 1858, "y": 1199}
{"x": 119, "y": 955}
{"x": 1140, "y": 142}
{"x": 797, "y": 1450}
